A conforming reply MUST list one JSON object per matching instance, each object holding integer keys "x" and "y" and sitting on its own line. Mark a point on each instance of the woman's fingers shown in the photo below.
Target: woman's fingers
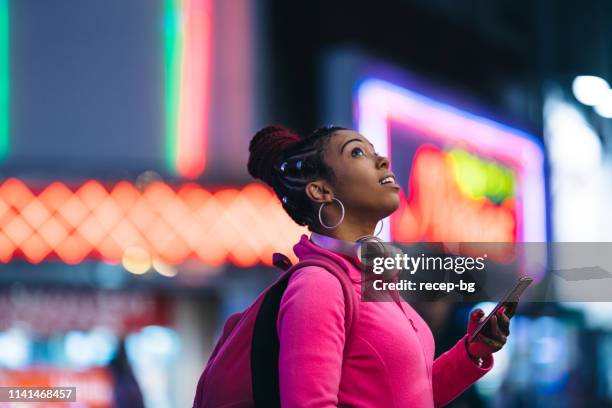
{"x": 510, "y": 308}
{"x": 476, "y": 315}
{"x": 504, "y": 323}
{"x": 499, "y": 325}
{"x": 493, "y": 344}
{"x": 495, "y": 331}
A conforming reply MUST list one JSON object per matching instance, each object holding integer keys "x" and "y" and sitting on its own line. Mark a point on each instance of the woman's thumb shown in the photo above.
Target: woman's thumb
{"x": 476, "y": 315}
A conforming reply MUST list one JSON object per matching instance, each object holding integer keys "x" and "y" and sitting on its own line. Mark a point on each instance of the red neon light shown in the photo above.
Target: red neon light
{"x": 437, "y": 211}
{"x": 194, "y": 88}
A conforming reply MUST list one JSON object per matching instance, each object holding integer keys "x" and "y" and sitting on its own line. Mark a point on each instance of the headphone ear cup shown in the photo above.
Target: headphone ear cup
{"x": 375, "y": 247}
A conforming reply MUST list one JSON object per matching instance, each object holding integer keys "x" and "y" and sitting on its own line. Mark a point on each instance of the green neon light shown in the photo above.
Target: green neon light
{"x": 5, "y": 79}
{"x": 478, "y": 178}
{"x": 173, "y": 48}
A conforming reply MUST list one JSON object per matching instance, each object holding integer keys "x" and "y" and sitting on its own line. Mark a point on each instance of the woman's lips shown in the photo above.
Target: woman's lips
{"x": 388, "y": 181}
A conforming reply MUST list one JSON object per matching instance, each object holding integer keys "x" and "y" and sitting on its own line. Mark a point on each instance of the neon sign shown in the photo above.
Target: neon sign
{"x": 5, "y": 79}
{"x": 436, "y": 209}
{"x": 188, "y": 44}
{"x": 169, "y": 224}
{"x": 467, "y": 178}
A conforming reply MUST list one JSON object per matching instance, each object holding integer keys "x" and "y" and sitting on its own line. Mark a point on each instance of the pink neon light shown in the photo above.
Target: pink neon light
{"x": 380, "y": 102}
{"x": 194, "y": 88}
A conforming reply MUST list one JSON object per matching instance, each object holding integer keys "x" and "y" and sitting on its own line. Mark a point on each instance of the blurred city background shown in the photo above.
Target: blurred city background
{"x": 130, "y": 228}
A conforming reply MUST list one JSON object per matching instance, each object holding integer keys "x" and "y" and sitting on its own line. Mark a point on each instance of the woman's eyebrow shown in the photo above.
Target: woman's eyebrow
{"x": 349, "y": 141}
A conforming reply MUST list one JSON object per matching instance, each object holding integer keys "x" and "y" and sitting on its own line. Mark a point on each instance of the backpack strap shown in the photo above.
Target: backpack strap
{"x": 265, "y": 346}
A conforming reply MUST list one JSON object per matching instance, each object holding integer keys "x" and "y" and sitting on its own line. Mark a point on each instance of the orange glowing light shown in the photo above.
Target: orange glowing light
{"x": 172, "y": 224}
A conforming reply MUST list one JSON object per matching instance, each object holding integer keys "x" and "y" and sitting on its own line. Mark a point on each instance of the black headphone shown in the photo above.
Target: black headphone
{"x": 376, "y": 248}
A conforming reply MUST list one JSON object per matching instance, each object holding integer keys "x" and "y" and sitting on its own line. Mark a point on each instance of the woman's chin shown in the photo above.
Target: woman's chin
{"x": 390, "y": 205}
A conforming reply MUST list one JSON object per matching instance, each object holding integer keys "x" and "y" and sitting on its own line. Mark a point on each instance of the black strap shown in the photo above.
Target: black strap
{"x": 265, "y": 348}
{"x": 265, "y": 344}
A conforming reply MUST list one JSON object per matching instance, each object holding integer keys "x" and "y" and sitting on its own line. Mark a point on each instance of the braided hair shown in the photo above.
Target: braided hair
{"x": 287, "y": 163}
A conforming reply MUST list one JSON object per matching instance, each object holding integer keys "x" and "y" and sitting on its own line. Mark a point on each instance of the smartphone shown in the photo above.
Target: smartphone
{"x": 510, "y": 300}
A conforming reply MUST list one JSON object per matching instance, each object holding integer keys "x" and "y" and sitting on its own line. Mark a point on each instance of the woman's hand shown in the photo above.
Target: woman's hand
{"x": 484, "y": 345}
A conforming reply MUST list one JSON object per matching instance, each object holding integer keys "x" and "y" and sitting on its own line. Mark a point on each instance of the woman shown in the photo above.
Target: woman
{"x": 334, "y": 182}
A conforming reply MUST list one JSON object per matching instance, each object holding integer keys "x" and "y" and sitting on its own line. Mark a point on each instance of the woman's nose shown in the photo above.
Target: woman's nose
{"x": 382, "y": 162}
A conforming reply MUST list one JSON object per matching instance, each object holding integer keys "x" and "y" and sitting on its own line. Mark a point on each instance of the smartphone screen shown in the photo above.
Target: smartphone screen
{"x": 510, "y": 300}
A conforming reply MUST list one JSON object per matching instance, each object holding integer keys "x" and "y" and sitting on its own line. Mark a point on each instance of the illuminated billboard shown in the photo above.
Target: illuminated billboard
{"x": 465, "y": 178}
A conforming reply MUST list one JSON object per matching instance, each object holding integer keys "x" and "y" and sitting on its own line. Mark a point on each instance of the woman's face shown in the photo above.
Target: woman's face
{"x": 363, "y": 181}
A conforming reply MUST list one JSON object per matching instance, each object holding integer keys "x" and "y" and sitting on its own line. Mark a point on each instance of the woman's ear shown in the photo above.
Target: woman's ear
{"x": 318, "y": 191}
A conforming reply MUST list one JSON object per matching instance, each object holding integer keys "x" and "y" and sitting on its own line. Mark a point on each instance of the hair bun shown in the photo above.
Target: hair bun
{"x": 266, "y": 149}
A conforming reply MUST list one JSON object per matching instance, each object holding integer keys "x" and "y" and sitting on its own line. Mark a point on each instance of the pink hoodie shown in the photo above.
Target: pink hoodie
{"x": 388, "y": 362}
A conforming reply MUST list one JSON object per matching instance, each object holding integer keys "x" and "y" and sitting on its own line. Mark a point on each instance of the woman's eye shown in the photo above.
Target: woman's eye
{"x": 358, "y": 151}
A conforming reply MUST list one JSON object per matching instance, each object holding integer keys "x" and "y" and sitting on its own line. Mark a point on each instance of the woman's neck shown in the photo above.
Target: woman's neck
{"x": 350, "y": 248}
{"x": 349, "y": 232}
